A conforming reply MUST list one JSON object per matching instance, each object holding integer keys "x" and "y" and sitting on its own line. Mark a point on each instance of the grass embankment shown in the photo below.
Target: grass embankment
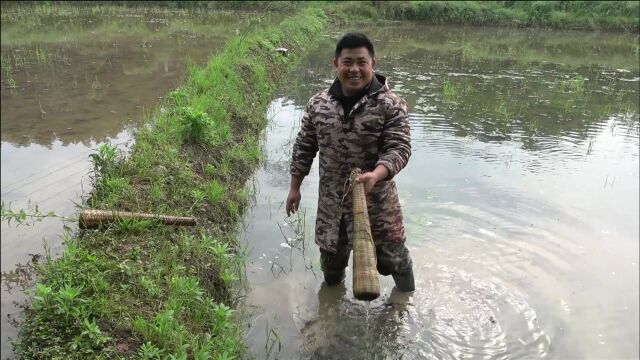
{"x": 588, "y": 15}
{"x": 140, "y": 289}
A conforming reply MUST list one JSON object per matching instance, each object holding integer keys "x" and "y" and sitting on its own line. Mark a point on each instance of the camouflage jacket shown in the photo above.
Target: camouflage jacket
{"x": 376, "y": 131}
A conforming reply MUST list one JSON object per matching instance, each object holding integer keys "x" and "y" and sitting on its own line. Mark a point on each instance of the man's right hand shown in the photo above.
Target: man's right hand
{"x": 293, "y": 201}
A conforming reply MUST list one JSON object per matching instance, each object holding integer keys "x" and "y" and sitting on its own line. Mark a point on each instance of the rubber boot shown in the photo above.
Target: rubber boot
{"x": 405, "y": 282}
{"x": 334, "y": 278}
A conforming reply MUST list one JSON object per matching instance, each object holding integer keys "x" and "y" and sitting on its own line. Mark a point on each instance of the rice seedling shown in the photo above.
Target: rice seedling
{"x": 41, "y": 55}
{"x": 589, "y": 147}
{"x": 503, "y": 114}
{"x": 533, "y": 124}
{"x": 467, "y": 53}
{"x": 619, "y": 15}
{"x": 11, "y": 83}
{"x": 449, "y": 92}
{"x": 576, "y": 84}
{"x": 7, "y": 70}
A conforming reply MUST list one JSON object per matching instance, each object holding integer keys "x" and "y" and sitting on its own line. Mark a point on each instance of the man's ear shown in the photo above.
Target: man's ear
{"x": 373, "y": 62}
{"x": 335, "y": 62}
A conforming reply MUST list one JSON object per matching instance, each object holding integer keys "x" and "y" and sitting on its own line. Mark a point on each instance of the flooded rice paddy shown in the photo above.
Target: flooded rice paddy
{"x": 520, "y": 203}
{"x": 520, "y": 199}
{"x": 73, "y": 78}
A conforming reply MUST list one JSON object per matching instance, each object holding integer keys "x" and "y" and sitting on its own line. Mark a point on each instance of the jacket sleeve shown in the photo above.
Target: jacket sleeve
{"x": 396, "y": 138}
{"x": 305, "y": 146}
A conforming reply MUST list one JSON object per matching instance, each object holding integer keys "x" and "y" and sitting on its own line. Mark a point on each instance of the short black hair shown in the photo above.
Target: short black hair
{"x": 354, "y": 40}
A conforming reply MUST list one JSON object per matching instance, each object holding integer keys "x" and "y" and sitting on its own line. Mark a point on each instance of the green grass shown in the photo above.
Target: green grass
{"x": 591, "y": 15}
{"x": 137, "y": 289}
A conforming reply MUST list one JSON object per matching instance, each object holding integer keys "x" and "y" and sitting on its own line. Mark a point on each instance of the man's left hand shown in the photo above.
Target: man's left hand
{"x": 370, "y": 179}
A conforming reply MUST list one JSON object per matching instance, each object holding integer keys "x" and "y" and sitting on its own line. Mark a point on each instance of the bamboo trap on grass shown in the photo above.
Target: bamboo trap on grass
{"x": 92, "y": 218}
{"x": 366, "y": 285}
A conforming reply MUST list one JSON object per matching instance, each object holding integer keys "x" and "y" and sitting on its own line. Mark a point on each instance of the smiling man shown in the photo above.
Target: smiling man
{"x": 357, "y": 122}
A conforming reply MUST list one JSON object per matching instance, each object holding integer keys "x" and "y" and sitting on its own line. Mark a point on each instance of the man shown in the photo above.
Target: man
{"x": 356, "y": 122}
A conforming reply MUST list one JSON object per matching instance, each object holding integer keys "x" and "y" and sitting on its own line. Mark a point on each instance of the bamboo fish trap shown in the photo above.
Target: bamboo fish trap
{"x": 366, "y": 285}
{"x": 91, "y": 218}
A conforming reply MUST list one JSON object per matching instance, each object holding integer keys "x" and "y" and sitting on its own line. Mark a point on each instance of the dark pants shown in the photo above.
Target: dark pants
{"x": 392, "y": 258}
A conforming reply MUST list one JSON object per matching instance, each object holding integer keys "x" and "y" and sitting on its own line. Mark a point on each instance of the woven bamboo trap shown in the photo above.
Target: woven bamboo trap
{"x": 91, "y": 218}
{"x": 366, "y": 285}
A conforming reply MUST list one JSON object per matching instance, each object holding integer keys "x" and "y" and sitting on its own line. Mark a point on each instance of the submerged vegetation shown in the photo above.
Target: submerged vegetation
{"x": 137, "y": 288}
{"x": 77, "y": 22}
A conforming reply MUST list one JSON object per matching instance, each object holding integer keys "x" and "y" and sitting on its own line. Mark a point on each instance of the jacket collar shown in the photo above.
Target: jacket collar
{"x": 377, "y": 83}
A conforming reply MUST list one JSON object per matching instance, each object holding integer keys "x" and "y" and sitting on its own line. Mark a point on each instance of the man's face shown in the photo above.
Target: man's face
{"x": 354, "y": 68}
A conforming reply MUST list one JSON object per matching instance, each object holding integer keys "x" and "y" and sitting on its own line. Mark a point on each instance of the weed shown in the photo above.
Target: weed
{"x": 233, "y": 208}
{"x": 209, "y": 169}
{"x": 215, "y": 191}
{"x": 114, "y": 185}
{"x": 225, "y": 167}
{"x": 104, "y": 161}
{"x": 148, "y": 351}
{"x": 227, "y": 277}
{"x": 198, "y": 197}
{"x": 179, "y": 96}
{"x": 196, "y": 125}
{"x": 134, "y": 226}
{"x": 218, "y": 249}
{"x": 22, "y": 217}
{"x": 155, "y": 193}
{"x": 160, "y": 329}
{"x": 90, "y": 338}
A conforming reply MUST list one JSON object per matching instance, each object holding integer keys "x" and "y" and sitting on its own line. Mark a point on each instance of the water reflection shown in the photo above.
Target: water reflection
{"x": 90, "y": 95}
{"x": 319, "y": 333}
{"x": 516, "y": 203}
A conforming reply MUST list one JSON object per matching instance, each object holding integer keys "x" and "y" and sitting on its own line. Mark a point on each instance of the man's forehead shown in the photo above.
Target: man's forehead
{"x": 358, "y": 53}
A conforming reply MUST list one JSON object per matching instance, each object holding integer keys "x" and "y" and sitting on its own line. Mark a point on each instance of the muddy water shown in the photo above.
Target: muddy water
{"x": 73, "y": 78}
{"x": 520, "y": 203}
